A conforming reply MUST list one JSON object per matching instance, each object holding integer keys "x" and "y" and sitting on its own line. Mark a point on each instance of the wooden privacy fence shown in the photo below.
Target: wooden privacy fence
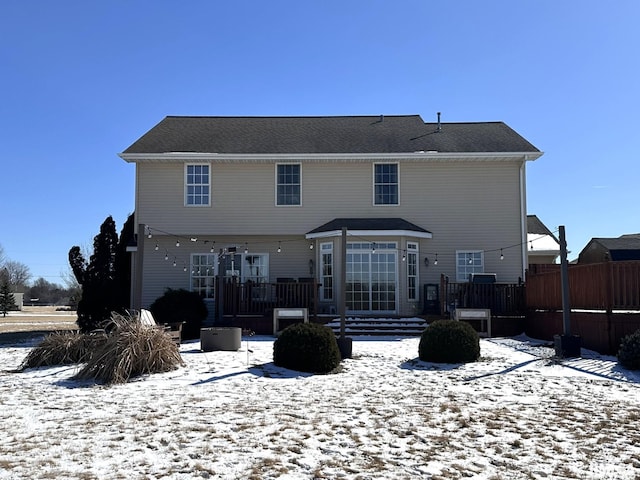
{"x": 600, "y": 286}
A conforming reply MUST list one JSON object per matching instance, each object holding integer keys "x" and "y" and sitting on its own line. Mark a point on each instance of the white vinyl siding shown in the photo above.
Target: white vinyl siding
{"x": 466, "y": 204}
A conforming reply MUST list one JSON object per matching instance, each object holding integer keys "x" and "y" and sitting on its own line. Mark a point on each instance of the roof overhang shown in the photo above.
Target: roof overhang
{"x": 328, "y": 157}
{"x": 370, "y": 233}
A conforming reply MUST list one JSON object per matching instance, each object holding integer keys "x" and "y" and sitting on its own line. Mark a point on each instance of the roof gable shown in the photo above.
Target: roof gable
{"x": 340, "y": 134}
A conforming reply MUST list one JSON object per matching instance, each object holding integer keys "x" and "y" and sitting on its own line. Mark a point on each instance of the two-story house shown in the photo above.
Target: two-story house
{"x": 265, "y": 200}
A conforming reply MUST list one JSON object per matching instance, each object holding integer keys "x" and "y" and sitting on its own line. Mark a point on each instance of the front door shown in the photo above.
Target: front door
{"x": 371, "y": 277}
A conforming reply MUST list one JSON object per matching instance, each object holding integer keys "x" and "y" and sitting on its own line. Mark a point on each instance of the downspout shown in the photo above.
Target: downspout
{"x": 523, "y": 217}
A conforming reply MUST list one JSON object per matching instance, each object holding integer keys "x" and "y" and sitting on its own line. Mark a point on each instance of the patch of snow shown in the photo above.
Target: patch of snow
{"x": 517, "y": 413}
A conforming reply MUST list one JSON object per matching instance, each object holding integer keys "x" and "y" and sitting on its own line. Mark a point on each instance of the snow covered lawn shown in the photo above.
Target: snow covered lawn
{"x": 515, "y": 414}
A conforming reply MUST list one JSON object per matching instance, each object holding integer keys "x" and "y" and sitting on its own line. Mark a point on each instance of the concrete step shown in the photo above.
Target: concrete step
{"x": 409, "y": 327}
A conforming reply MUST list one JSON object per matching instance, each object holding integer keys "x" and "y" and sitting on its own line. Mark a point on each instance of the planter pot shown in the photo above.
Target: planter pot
{"x": 220, "y": 338}
{"x": 567, "y": 346}
{"x": 345, "y": 345}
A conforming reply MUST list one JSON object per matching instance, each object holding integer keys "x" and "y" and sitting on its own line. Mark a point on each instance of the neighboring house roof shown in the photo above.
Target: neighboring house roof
{"x": 370, "y": 226}
{"x": 340, "y": 134}
{"x": 625, "y": 247}
{"x": 541, "y": 240}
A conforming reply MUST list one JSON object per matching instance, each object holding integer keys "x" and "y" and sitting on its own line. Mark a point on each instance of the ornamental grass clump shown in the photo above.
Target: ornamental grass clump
{"x": 130, "y": 350}
{"x": 629, "y": 352}
{"x": 449, "y": 341}
{"x": 307, "y": 347}
{"x": 63, "y": 348}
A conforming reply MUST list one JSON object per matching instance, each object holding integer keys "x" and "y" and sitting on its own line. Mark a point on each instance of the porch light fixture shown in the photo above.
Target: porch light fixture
{"x": 311, "y": 246}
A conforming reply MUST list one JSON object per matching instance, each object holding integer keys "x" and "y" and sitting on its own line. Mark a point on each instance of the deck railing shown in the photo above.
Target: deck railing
{"x": 261, "y": 298}
{"x": 501, "y": 298}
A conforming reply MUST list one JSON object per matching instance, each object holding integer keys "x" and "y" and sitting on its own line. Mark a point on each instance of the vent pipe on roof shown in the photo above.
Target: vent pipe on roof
{"x": 381, "y": 118}
{"x": 439, "y": 125}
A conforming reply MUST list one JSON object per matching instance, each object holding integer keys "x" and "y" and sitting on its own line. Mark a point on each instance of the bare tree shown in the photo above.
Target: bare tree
{"x": 2, "y": 257}
{"x": 18, "y": 274}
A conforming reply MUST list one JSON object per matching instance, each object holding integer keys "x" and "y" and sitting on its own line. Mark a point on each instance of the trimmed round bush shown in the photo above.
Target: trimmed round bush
{"x": 449, "y": 341}
{"x": 307, "y": 347}
{"x": 629, "y": 352}
{"x": 181, "y": 306}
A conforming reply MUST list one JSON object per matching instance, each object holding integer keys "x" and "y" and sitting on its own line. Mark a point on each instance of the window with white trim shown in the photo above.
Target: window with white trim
{"x": 467, "y": 262}
{"x": 412, "y": 271}
{"x": 326, "y": 262}
{"x": 385, "y": 184}
{"x": 203, "y": 274}
{"x": 197, "y": 185}
{"x": 288, "y": 184}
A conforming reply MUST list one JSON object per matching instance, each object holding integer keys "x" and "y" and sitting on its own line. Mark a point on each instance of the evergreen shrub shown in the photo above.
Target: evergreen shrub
{"x": 629, "y": 352}
{"x": 449, "y": 341}
{"x": 307, "y": 347}
{"x": 181, "y": 306}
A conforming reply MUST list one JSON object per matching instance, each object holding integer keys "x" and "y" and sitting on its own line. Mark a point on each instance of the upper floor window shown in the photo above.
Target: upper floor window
{"x": 288, "y": 184}
{"x": 468, "y": 262}
{"x": 385, "y": 184}
{"x": 197, "y": 185}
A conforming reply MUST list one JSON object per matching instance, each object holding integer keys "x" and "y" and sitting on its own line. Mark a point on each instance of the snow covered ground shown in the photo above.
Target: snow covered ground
{"x": 515, "y": 414}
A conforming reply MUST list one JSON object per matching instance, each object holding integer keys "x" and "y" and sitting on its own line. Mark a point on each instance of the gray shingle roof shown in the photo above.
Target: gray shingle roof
{"x": 536, "y": 227}
{"x": 340, "y": 134}
{"x": 368, "y": 224}
{"x": 625, "y": 242}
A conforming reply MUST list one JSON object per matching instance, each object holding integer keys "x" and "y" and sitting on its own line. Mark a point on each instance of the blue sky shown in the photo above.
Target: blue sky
{"x": 81, "y": 81}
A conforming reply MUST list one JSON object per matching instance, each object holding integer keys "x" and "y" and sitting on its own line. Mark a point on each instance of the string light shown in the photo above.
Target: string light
{"x": 174, "y": 261}
{"x": 311, "y": 247}
{"x": 246, "y": 248}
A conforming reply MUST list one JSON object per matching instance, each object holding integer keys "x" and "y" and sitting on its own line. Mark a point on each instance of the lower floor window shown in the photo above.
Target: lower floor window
{"x": 468, "y": 262}
{"x": 203, "y": 274}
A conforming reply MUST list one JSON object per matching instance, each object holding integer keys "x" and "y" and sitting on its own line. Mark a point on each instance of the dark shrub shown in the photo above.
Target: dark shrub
{"x": 629, "y": 352}
{"x": 181, "y": 306}
{"x": 449, "y": 341}
{"x": 307, "y": 347}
